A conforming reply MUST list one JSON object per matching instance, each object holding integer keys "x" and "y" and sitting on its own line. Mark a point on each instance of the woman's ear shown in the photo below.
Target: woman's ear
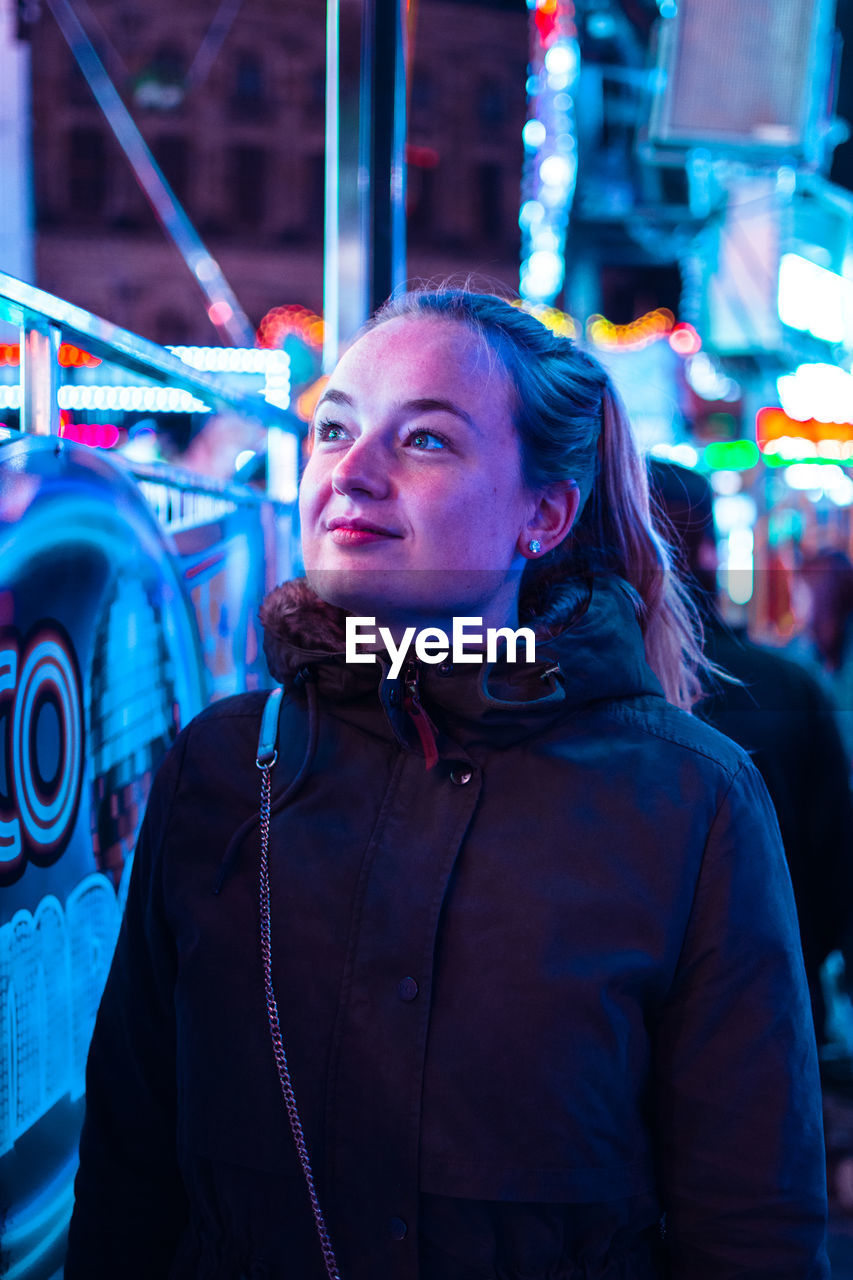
{"x": 553, "y": 516}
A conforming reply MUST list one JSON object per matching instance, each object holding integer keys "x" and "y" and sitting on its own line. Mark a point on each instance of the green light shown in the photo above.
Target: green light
{"x": 731, "y": 455}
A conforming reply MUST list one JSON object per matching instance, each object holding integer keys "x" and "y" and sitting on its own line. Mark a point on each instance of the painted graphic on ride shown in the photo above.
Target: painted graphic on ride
{"x": 114, "y": 631}
{"x": 41, "y": 701}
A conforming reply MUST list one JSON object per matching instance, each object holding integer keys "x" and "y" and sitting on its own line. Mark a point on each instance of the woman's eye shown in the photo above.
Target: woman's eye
{"x": 426, "y": 440}
{"x": 331, "y": 432}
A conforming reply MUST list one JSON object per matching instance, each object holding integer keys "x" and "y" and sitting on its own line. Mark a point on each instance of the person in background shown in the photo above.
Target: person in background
{"x": 780, "y": 713}
{"x": 823, "y": 586}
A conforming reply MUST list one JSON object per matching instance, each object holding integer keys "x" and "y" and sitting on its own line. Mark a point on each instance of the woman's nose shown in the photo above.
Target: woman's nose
{"x": 362, "y": 469}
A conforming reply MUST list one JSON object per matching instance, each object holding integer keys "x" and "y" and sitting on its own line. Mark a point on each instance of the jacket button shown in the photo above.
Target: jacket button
{"x": 407, "y": 989}
{"x": 460, "y": 775}
{"x": 446, "y": 668}
{"x": 399, "y": 1229}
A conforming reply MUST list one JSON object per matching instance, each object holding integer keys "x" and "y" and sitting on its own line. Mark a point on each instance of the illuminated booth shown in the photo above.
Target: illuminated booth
{"x": 129, "y": 592}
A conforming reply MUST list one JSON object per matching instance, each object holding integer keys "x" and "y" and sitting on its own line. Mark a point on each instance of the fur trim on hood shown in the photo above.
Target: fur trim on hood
{"x": 298, "y": 625}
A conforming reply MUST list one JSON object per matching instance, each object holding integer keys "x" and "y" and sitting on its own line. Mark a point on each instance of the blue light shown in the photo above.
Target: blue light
{"x": 533, "y": 134}
{"x": 551, "y": 167}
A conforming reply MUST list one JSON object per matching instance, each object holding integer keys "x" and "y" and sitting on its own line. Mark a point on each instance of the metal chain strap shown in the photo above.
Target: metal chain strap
{"x": 275, "y": 1030}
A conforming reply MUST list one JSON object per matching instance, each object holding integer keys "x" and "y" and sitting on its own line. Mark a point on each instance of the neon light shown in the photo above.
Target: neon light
{"x": 533, "y": 136}
{"x": 731, "y": 455}
{"x": 707, "y": 380}
{"x": 550, "y": 145}
{"x": 773, "y": 424}
{"x": 292, "y": 318}
{"x": 734, "y": 511}
{"x": 220, "y": 312}
{"x": 821, "y": 391}
{"x": 684, "y": 454}
{"x": 684, "y": 340}
{"x": 637, "y": 334}
{"x": 814, "y": 475}
{"x": 307, "y": 401}
{"x": 69, "y": 356}
{"x": 726, "y": 483}
{"x": 232, "y": 359}
{"x": 559, "y": 322}
{"x": 98, "y": 435}
{"x": 815, "y": 300}
{"x": 741, "y": 564}
{"x": 154, "y": 399}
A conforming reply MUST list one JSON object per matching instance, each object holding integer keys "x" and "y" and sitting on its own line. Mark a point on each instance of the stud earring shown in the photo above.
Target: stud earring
{"x": 535, "y": 546}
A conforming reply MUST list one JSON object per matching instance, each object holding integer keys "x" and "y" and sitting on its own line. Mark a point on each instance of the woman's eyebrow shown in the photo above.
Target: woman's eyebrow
{"x": 423, "y": 404}
{"x": 336, "y": 397}
{"x": 430, "y": 404}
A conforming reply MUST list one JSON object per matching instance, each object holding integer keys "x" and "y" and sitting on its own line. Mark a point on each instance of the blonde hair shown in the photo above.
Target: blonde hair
{"x": 572, "y": 425}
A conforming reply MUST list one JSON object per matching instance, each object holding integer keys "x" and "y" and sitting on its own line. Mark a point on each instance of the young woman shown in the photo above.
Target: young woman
{"x": 525, "y": 927}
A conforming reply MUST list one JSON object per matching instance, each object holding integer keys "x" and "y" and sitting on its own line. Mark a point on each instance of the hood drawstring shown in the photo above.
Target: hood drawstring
{"x": 425, "y": 728}
{"x": 306, "y": 678}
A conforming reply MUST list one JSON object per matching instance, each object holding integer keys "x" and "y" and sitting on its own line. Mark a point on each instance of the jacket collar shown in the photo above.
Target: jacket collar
{"x": 598, "y": 656}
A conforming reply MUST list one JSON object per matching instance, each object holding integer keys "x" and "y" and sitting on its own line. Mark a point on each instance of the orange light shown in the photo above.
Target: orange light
{"x": 71, "y": 357}
{"x": 774, "y": 424}
{"x": 684, "y": 340}
{"x": 633, "y": 336}
{"x": 307, "y": 402}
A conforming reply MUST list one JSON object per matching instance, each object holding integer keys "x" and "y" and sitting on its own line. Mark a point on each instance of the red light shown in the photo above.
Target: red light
{"x": 290, "y": 318}
{"x": 219, "y": 312}
{"x": 10, "y": 353}
{"x": 421, "y": 157}
{"x": 684, "y": 340}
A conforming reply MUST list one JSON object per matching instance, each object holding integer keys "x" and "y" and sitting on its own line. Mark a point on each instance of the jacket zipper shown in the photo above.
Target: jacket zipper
{"x": 412, "y": 703}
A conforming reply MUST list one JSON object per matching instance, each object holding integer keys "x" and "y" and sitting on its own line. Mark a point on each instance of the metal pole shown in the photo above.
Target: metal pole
{"x": 365, "y": 251}
{"x": 39, "y": 378}
{"x": 17, "y": 253}
{"x": 387, "y": 141}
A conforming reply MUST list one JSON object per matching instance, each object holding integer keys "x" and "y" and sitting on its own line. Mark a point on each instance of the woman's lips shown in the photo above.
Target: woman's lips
{"x": 350, "y": 536}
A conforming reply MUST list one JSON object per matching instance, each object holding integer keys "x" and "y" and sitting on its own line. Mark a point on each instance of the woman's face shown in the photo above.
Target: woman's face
{"x": 412, "y": 504}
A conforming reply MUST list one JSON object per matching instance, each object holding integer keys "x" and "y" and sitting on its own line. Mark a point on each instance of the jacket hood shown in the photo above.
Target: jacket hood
{"x": 598, "y": 656}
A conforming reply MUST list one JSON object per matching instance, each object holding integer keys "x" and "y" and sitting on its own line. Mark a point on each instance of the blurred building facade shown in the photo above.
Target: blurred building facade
{"x": 241, "y": 140}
